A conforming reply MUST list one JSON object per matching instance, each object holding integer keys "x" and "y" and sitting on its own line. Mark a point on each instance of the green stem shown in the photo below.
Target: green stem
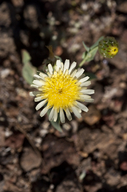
{"x": 82, "y": 62}
{"x": 89, "y": 55}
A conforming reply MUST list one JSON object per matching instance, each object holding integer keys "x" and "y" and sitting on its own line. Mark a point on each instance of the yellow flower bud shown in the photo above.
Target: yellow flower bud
{"x": 108, "y": 47}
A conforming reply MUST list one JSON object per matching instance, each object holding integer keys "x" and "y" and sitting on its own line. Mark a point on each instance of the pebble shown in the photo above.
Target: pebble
{"x": 4, "y": 73}
{"x": 29, "y": 160}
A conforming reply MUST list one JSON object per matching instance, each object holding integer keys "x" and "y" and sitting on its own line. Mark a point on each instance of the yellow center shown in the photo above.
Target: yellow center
{"x": 61, "y": 90}
{"x": 114, "y": 50}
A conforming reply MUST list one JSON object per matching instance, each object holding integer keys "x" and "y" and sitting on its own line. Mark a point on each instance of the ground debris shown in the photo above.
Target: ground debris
{"x": 90, "y": 154}
{"x": 29, "y": 160}
{"x": 57, "y": 150}
{"x": 93, "y": 116}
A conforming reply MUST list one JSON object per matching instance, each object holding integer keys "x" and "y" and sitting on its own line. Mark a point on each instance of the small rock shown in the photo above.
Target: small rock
{"x": 92, "y": 116}
{"x": 2, "y": 137}
{"x": 45, "y": 125}
{"x": 5, "y": 19}
{"x": 123, "y": 7}
{"x": 8, "y": 133}
{"x": 125, "y": 136}
{"x": 66, "y": 126}
{"x": 124, "y": 36}
{"x": 112, "y": 177}
{"x": 38, "y": 141}
{"x": 57, "y": 150}
{"x": 29, "y": 160}
{"x": 74, "y": 126}
{"x": 31, "y": 16}
{"x": 7, "y": 45}
{"x": 69, "y": 184}
{"x": 17, "y": 3}
{"x": 84, "y": 166}
{"x": 43, "y": 132}
{"x": 123, "y": 166}
{"x": 21, "y": 92}
{"x": 109, "y": 119}
{"x": 4, "y": 73}
{"x": 15, "y": 141}
{"x": 58, "y": 51}
{"x": 120, "y": 60}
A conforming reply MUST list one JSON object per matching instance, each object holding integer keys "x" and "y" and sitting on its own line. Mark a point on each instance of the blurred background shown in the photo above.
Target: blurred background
{"x": 90, "y": 155}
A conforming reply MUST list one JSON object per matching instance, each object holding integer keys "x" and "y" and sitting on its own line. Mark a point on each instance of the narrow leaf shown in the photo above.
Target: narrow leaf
{"x": 86, "y": 48}
{"x": 28, "y": 69}
{"x": 90, "y": 56}
{"x": 96, "y": 44}
{"x": 57, "y": 57}
{"x": 25, "y": 56}
{"x": 84, "y": 55}
{"x": 56, "y": 125}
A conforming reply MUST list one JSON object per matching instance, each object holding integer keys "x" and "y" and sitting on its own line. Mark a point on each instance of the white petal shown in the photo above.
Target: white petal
{"x": 62, "y": 117}
{"x": 66, "y": 65}
{"x": 41, "y": 104}
{"x": 38, "y": 82}
{"x": 31, "y": 94}
{"x": 37, "y": 76}
{"x": 50, "y": 69}
{"x": 84, "y": 79}
{"x": 35, "y": 86}
{"x": 73, "y": 65}
{"x": 49, "y": 74}
{"x": 76, "y": 112}
{"x": 55, "y": 115}
{"x": 89, "y": 100}
{"x": 79, "y": 73}
{"x": 43, "y": 75}
{"x": 51, "y": 115}
{"x": 81, "y": 106}
{"x": 38, "y": 99}
{"x": 34, "y": 93}
{"x": 86, "y": 98}
{"x": 74, "y": 72}
{"x": 66, "y": 72}
{"x": 68, "y": 114}
{"x": 62, "y": 66}
{"x": 44, "y": 111}
{"x": 85, "y": 84}
{"x": 87, "y": 91}
{"x": 59, "y": 65}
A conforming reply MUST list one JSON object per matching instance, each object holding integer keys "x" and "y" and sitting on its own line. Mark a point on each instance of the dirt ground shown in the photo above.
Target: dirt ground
{"x": 90, "y": 155}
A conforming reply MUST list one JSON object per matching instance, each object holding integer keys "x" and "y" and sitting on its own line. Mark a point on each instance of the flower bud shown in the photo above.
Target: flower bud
{"x": 108, "y": 47}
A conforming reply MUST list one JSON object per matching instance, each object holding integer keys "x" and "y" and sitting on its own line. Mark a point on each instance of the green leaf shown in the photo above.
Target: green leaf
{"x": 84, "y": 55}
{"x": 96, "y": 44}
{"x": 86, "y": 48}
{"x": 56, "y": 125}
{"x": 57, "y": 57}
{"x": 25, "y": 56}
{"x": 28, "y": 70}
{"x": 91, "y": 54}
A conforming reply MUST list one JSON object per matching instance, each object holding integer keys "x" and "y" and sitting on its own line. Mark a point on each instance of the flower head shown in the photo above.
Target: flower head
{"x": 62, "y": 90}
{"x": 108, "y": 47}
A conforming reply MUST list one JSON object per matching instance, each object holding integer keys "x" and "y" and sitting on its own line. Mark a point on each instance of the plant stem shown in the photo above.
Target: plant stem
{"x": 82, "y": 62}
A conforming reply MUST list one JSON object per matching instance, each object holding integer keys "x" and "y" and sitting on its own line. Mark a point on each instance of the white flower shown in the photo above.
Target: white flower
{"x": 62, "y": 90}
